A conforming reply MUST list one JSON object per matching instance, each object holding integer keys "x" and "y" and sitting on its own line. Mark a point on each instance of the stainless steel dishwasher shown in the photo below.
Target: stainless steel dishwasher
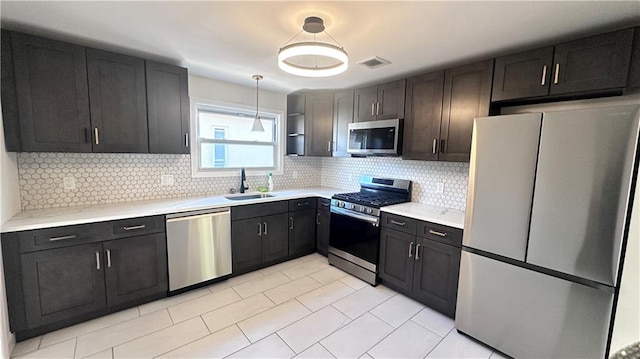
{"x": 198, "y": 246}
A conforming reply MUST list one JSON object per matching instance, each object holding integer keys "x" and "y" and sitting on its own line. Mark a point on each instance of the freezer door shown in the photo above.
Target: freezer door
{"x": 501, "y": 175}
{"x": 527, "y": 314}
{"x": 583, "y": 181}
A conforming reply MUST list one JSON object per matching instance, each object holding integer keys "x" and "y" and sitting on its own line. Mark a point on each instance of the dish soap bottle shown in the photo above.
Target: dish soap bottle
{"x": 270, "y": 182}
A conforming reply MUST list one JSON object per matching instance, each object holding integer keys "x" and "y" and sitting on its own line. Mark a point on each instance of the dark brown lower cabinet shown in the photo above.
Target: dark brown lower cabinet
{"x": 274, "y": 238}
{"x": 258, "y": 240}
{"x": 302, "y": 231}
{"x": 421, "y": 268}
{"x": 323, "y": 230}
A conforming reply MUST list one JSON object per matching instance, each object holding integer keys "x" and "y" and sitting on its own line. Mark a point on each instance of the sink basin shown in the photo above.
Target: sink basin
{"x": 248, "y": 196}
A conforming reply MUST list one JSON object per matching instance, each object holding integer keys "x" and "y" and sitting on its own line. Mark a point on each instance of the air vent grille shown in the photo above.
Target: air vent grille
{"x": 374, "y": 62}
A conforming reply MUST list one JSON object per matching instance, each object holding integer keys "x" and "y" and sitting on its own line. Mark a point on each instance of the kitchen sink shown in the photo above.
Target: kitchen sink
{"x": 248, "y": 196}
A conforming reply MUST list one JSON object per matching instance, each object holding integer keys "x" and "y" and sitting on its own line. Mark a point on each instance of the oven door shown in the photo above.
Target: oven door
{"x": 355, "y": 237}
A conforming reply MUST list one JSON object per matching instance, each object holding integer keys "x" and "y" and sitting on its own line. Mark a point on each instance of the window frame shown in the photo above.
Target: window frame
{"x": 279, "y": 135}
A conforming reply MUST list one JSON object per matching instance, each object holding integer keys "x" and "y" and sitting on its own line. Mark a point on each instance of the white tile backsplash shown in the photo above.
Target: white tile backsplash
{"x": 109, "y": 178}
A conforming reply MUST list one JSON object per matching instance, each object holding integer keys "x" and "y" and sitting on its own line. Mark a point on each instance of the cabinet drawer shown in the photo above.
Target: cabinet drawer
{"x": 136, "y": 226}
{"x": 302, "y": 203}
{"x": 258, "y": 210}
{"x": 399, "y": 223}
{"x": 324, "y": 203}
{"x": 440, "y": 233}
{"x": 58, "y": 237}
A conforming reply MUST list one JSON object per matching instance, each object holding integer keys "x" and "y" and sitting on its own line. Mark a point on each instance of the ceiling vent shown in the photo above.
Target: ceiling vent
{"x": 374, "y": 62}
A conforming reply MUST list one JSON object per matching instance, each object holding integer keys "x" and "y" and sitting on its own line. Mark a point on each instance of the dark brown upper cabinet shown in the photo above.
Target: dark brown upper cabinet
{"x": 634, "y": 69}
{"x": 310, "y": 124}
{"x": 52, "y": 95}
{"x": 167, "y": 108}
{"x": 342, "y": 117}
{"x": 441, "y": 107}
{"x": 594, "y": 64}
{"x": 117, "y": 94}
{"x": 423, "y": 111}
{"x": 380, "y": 102}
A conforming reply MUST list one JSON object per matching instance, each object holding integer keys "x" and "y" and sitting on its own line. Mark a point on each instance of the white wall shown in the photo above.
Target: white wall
{"x": 9, "y": 206}
{"x": 202, "y": 87}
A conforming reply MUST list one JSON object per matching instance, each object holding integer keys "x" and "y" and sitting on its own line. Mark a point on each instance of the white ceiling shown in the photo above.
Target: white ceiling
{"x": 232, "y": 40}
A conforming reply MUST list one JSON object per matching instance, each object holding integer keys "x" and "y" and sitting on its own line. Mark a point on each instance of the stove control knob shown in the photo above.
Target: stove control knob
{"x": 369, "y": 210}
{"x": 341, "y": 204}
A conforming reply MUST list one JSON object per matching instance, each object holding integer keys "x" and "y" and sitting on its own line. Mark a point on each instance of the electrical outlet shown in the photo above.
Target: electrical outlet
{"x": 166, "y": 180}
{"x": 295, "y": 174}
{"x": 440, "y": 187}
{"x": 69, "y": 182}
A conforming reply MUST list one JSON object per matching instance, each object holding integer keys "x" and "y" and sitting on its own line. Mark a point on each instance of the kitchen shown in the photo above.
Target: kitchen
{"x": 34, "y": 180}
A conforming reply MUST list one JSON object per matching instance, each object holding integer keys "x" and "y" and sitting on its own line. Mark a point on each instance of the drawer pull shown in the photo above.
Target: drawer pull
{"x": 61, "y": 238}
{"x": 133, "y": 228}
{"x": 441, "y": 234}
{"x": 325, "y": 204}
{"x": 397, "y": 223}
{"x": 418, "y": 251}
{"x": 108, "y": 258}
{"x": 303, "y": 204}
{"x": 97, "y": 260}
{"x": 410, "y": 249}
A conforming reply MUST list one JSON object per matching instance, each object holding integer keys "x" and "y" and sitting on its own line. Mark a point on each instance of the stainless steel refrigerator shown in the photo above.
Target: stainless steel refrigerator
{"x": 548, "y": 210}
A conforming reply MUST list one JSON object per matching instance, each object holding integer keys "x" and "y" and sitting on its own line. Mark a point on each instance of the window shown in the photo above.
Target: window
{"x": 225, "y": 143}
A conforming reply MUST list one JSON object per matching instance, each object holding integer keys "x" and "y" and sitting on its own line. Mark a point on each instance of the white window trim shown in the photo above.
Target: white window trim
{"x": 195, "y": 157}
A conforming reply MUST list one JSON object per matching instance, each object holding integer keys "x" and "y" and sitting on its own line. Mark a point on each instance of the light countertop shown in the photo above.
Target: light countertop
{"x": 66, "y": 216}
{"x": 424, "y": 212}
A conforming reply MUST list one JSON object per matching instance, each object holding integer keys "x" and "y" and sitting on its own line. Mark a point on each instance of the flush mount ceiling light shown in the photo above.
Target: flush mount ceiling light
{"x": 313, "y": 58}
{"x": 257, "y": 124}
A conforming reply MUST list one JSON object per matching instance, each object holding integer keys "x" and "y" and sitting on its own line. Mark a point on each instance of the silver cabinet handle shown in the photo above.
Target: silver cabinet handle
{"x": 133, "y": 228}
{"x": 62, "y": 238}
{"x": 544, "y": 75}
{"x": 328, "y": 146}
{"x": 265, "y": 228}
{"x": 441, "y": 234}
{"x": 95, "y": 134}
{"x": 97, "y": 260}
{"x": 434, "y": 147}
{"x": 108, "y": 258}
{"x": 417, "y": 251}
{"x": 372, "y": 109}
{"x": 377, "y": 108}
{"x": 291, "y": 220}
{"x": 393, "y": 221}
{"x": 259, "y": 229}
{"x": 186, "y": 139}
{"x": 318, "y": 218}
{"x": 410, "y": 249}
{"x": 557, "y": 72}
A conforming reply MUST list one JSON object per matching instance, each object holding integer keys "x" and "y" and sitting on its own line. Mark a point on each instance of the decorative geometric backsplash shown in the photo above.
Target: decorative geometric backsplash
{"x": 108, "y": 178}
{"x": 345, "y": 172}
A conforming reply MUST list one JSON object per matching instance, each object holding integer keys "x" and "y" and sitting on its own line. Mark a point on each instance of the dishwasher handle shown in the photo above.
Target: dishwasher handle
{"x": 197, "y": 214}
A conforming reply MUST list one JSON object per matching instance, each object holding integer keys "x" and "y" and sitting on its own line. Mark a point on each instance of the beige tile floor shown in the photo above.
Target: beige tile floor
{"x": 302, "y": 308}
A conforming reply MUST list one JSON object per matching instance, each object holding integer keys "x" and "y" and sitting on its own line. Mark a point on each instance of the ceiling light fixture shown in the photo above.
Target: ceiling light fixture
{"x": 257, "y": 124}
{"x": 313, "y": 58}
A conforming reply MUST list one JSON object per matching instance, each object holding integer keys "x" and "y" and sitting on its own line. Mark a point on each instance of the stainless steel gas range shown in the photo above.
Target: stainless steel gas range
{"x": 355, "y": 234}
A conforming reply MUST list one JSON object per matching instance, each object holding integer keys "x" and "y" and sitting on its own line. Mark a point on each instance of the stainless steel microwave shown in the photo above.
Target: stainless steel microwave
{"x": 375, "y": 138}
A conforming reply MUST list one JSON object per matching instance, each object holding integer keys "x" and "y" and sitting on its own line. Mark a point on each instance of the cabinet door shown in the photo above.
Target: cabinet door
{"x": 10, "y": 119}
{"x": 634, "y": 69}
{"x": 397, "y": 251}
{"x": 63, "y": 283}
{"x": 323, "y": 230}
{"x": 302, "y": 231}
{"x": 246, "y": 246}
{"x": 168, "y": 108}
{"x": 318, "y": 124}
{"x": 275, "y": 243}
{"x": 522, "y": 75}
{"x": 364, "y": 104}
{"x": 594, "y": 63}
{"x": 117, "y": 92}
{"x": 135, "y": 268}
{"x": 52, "y": 92}
{"x": 467, "y": 94}
{"x": 342, "y": 117}
{"x": 391, "y": 100}
{"x": 423, "y": 114}
{"x": 435, "y": 276}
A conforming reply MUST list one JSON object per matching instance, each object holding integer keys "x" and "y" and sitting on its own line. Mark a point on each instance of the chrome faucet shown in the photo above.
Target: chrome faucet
{"x": 243, "y": 181}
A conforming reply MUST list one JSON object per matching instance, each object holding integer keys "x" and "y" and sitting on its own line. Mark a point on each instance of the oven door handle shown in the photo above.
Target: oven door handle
{"x": 364, "y": 217}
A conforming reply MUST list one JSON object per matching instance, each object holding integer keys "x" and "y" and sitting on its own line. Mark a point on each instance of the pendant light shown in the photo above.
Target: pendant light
{"x": 314, "y": 49}
{"x": 257, "y": 124}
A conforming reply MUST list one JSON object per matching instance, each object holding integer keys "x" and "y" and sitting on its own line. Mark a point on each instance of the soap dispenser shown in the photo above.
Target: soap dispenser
{"x": 270, "y": 182}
